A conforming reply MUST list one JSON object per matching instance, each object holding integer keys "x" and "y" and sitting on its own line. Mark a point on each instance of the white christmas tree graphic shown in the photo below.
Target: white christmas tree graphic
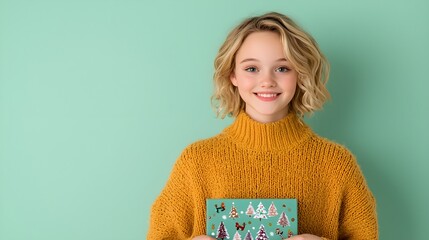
{"x": 250, "y": 210}
{"x": 233, "y": 213}
{"x": 272, "y": 210}
{"x": 260, "y": 212}
{"x": 283, "y": 220}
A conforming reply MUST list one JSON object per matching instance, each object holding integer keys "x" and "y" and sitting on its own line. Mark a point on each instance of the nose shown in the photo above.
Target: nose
{"x": 268, "y": 80}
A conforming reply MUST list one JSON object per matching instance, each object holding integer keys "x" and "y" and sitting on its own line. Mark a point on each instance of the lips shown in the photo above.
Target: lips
{"x": 267, "y": 96}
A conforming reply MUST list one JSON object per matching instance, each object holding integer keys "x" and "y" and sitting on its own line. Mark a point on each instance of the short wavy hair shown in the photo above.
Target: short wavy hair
{"x": 299, "y": 48}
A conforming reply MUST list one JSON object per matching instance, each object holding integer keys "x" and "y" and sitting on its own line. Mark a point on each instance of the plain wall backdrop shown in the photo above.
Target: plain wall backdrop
{"x": 99, "y": 97}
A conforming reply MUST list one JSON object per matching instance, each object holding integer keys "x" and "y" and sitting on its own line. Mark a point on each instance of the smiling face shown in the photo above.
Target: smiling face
{"x": 265, "y": 80}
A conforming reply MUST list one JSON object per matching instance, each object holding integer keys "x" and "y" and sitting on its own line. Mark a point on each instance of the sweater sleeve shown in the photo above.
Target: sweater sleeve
{"x": 358, "y": 218}
{"x": 172, "y": 213}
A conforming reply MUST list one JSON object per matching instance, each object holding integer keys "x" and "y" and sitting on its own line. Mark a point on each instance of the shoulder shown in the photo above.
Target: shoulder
{"x": 330, "y": 148}
{"x": 334, "y": 156}
{"x": 203, "y": 148}
{"x": 207, "y": 144}
{"x": 336, "y": 163}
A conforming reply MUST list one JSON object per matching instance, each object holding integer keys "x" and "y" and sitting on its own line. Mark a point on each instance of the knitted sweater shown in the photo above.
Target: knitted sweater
{"x": 283, "y": 159}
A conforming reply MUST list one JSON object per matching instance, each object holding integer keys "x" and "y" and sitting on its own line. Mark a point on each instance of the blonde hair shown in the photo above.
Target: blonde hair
{"x": 299, "y": 48}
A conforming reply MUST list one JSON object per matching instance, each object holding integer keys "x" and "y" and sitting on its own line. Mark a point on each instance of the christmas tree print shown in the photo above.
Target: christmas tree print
{"x": 272, "y": 210}
{"x": 250, "y": 210}
{"x": 262, "y": 235}
{"x": 237, "y": 236}
{"x": 248, "y": 236}
{"x": 222, "y": 232}
{"x": 233, "y": 213}
{"x": 260, "y": 212}
{"x": 283, "y": 220}
{"x": 276, "y": 217}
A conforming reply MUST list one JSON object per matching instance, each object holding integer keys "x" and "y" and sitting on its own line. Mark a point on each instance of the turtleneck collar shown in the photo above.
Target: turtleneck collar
{"x": 284, "y": 134}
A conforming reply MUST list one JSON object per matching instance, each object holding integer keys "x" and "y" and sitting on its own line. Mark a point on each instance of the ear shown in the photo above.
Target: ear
{"x": 233, "y": 79}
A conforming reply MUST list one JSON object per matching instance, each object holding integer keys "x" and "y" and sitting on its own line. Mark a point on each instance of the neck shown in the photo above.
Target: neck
{"x": 268, "y": 118}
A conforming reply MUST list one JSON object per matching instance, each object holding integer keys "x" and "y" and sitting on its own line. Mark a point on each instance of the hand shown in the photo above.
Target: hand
{"x": 304, "y": 237}
{"x": 203, "y": 237}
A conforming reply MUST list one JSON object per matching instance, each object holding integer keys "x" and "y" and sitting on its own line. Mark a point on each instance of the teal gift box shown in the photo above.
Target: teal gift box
{"x": 248, "y": 219}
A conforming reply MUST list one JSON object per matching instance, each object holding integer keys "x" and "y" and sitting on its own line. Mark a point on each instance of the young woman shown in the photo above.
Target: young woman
{"x": 268, "y": 74}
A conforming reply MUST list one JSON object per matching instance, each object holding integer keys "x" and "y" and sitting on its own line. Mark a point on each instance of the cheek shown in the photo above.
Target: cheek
{"x": 292, "y": 85}
{"x": 244, "y": 83}
{"x": 289, "y": 83}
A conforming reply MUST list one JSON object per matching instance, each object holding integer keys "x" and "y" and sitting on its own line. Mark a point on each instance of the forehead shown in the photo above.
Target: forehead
{"x": 261, "y": 45}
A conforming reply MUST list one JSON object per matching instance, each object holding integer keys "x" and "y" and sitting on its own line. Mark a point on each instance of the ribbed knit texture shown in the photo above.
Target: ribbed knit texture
{"x": 283, "y": 159}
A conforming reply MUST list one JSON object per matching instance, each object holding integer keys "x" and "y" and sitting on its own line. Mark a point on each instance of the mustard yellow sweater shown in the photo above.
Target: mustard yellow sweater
{"x": 283, "y": 159}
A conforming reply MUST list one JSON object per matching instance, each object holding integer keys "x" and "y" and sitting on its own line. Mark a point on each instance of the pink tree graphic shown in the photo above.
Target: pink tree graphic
{"x": 250, "y": 210}
{"x": 272, "y": 210}
{"x": 233, "y": 213}
{"x": 237, "y": 236}
{"x": 283, "y": 220}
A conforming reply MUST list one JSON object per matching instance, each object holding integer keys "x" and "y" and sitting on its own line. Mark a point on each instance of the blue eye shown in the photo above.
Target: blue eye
{"x": 250, "y": 69}
{"x": 282, "y": 69}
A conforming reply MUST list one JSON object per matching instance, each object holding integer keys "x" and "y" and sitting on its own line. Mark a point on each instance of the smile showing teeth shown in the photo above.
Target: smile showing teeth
{"x": 267, "y": 95}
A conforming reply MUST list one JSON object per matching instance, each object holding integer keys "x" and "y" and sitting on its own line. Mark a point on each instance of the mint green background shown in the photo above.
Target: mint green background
{"x": 98, "y": 98}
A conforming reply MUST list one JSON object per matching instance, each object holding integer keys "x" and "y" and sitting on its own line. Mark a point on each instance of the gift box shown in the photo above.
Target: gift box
{"x": 251, "y": 219}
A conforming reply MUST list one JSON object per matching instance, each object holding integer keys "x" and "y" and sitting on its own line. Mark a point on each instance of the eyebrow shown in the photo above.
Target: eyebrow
{"x": 254, "y": 59}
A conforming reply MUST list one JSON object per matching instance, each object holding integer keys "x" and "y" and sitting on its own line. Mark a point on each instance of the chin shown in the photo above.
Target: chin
{"x": 271, "y": 113}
